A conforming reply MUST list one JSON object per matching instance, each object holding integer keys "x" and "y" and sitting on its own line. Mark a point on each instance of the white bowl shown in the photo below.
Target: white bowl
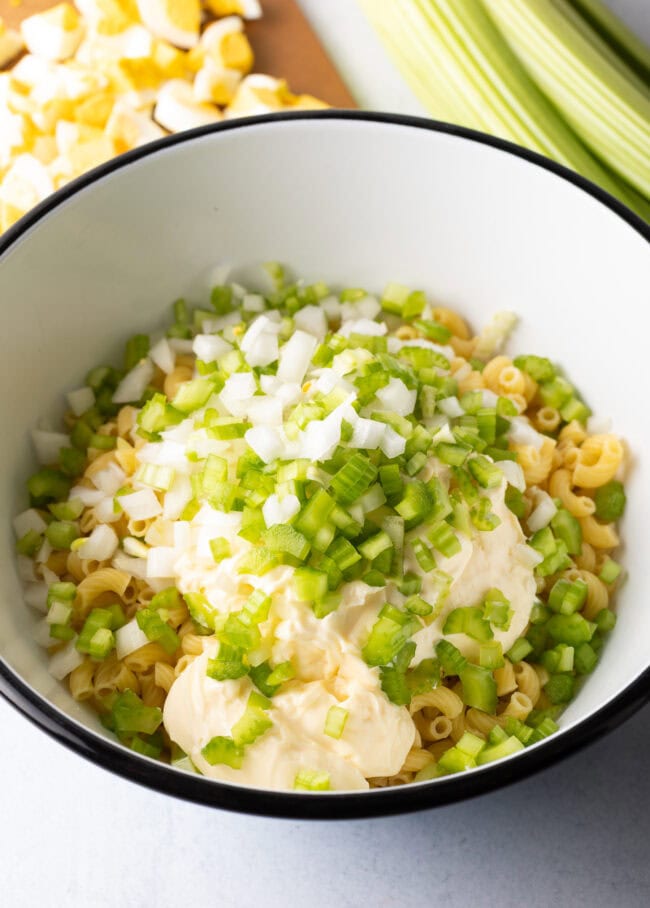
{"x": 353, "y": 198}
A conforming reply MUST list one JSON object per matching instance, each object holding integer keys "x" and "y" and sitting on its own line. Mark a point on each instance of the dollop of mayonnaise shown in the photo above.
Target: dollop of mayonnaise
{"x": 329, "y": 669}
{"x": 376, "y": 738}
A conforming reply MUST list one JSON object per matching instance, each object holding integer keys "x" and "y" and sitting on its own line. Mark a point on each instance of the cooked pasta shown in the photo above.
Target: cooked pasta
{"x": 212, "y": 525}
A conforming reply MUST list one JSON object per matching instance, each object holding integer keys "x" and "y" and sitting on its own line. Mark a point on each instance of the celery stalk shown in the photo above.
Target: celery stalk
{"x": 603, "y": 102}
{"x": 463, "y": 69}
{"x": 617, "y": 35}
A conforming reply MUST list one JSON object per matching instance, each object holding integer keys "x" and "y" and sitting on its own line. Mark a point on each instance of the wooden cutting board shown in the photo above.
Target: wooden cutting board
{"x": 283, "y": 41}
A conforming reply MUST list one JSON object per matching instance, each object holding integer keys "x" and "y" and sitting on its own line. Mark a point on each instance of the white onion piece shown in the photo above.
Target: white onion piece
{"x": 179, "y": 433}
{"x": 165, "y": 454}
{"x": 133, "y": 385}
{"x": 65, "y": 660}
{"x": 451, "y": 407}
{"x": 162, "y": 356}
{"x": 135, "y": 566}
{"x": 266, "y": 442}
{"x": 513, "y": 474}
{"x": 264, "y": 411}
{"x": 295, "y": 356}
{"x": 181, "y": 344}
{"x": 48, "y": 575}
{"x": 210, "y": 347}
{"x": 36, "y": 596}
{"x": 161, "y": 561}
{"x": 48, "y": 444}
{"x": 28, "y": 520}
{"x": 545, "y": 511}
{"x": 105, "y": 511}
{"x": 363, "y": 326}
{"x": 264, "y": 350}
{"x": 313, "y": 320}
{"x": 141, "y": 505}
{"x": 331, "y": 307}
{"x": 25, "y": 567}
{"x": 367, "y": 433}
{"x": 599, "y": 425}
{"x": 41, "y": 633}
{"x": 129, "y": 638}
{"x": 527, "y": 556}
{"x": 43, "y": 553}
{"x": 392, "y": 443}
{"x": 80, "y": 400}
{"x": 276, "y": 510}
{"x": 181, "y": 532}
{"x": 367, "y": 307}
{"x": 177, "y": 497}
{"x": 253, "y": 302}
{"x": 397, "y": 397}
{"x": 100, "y": 545}
{"x": 489, "y": 398}
{"x": 109, "y": 480}
{"x": 522, "y": 433}
{"x": 161, "y": 532}
{"x": 88, "y": 497}
{"x": 263, "y": 324}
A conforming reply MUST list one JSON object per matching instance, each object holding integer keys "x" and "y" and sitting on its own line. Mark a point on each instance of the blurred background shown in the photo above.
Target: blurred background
{"x": 84, "y": 82}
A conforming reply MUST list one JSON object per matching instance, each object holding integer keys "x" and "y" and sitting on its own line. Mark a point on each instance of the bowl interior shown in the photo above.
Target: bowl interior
{"x": 349, "y": 201}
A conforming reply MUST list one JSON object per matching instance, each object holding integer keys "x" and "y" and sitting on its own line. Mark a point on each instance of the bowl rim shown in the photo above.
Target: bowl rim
{"x": 332, "y": 805}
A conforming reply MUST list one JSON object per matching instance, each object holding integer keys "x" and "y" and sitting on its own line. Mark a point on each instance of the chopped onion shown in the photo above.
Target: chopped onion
{"x": 599, "y": 425}
{"x": 80, "y": 400}
{"x": 522, "y": 433}
{"x": 527, "y": 556}
{"x": 397, "y": 397}
{"x": 264, "y": 411}
{"x": 177, "y": 497}
{"x": 313, "y": 320}
{"x": 331, "y": 307}
{"x": 135, "y": 566}
{"x": 164, "y": 454}
{"x": 48, "y": 445}
{"x": 490, "y": 399}
{"x": 48, "y": 575}
{"x": 513, "y": 474}
{"x": 105, "y": 511}
{"x": 88, "y": 497}
{"x": 264, "y": 350}
{"x": 210, "y": 347}
{"x": 100, "y": 545}
{"x": 253, "y": 302}
{"x": 363, "y": 326}
{"x": 392, "y": 443}
{"x": 295, "y": 356}
{"x": 41, "y": 633}
{"x": 367, "y": 307}
{"x": 179, "y": 433}
{"x": 129, "y": 638}
{"x": 545, "y": 511}
{"x": 182, "y": 533}
{"x": 161, "y": 532}
{"x": 44, "y": 552}
{"x": 162, "y": 356}
{"x": 141, "y": 505}
{"x": 161, "y": 561}
{"x": 28, "y": 520}
{"x": 36, "y": 596}
{"x": 25, "y": 568}
{"x": 276, "y": 510}
{"x": 181, "y": 344}
{"x": 65, "y": 660}
{"x": 367, "y": 433}
{"x": 266, "y": 442}
{"x": 451, "y": 407}
{"x": 134, "y": 383}
{"x": 109, "y": 480}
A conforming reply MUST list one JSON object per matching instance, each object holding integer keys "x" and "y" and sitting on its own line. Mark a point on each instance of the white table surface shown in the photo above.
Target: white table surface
{"x": 73, "y": 835}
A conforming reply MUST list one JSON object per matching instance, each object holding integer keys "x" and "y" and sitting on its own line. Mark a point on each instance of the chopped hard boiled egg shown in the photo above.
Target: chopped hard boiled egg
{"x": 177, "y": 21}
{"x": 103, "y": 76}
{"x": 247, "y": 9}
{"x": 11, "y": 44}
{"x": 54, "y": 34}
{"x": 177, "y": 108}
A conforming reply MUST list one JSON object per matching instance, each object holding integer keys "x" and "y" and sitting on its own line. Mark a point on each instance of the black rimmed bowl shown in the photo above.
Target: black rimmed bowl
{"x": 350, "y": 198}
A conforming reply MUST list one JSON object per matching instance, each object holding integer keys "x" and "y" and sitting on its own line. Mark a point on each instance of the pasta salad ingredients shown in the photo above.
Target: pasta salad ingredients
{"x": 324, "y": 540}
